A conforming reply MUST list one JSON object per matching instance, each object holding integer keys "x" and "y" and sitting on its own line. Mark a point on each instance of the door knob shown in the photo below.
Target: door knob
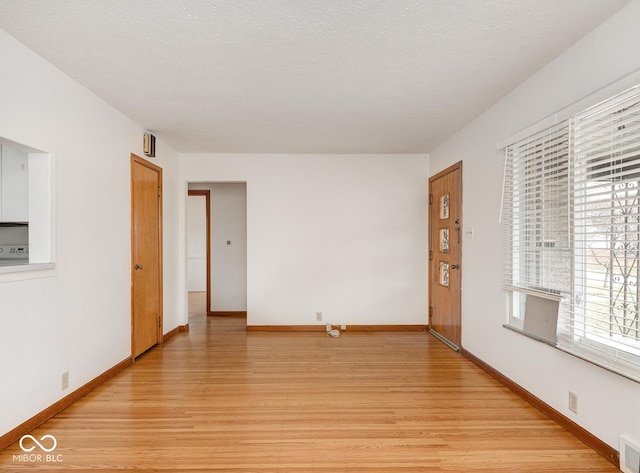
{"x": 455, "y": 266}
{"x": 137, "y": 267}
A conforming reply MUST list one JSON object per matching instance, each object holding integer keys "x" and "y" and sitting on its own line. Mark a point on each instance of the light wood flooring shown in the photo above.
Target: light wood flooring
{"x": 220, "y": 399}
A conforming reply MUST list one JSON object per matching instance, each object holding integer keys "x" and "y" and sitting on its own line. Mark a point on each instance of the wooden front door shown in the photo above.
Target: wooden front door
{"x": 445, "y": 255}
{"x": 146, "y": 255}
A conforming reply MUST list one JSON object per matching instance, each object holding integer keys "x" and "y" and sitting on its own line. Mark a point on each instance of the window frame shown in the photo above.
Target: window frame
{"x": 574, "y": 336}
{"x": 42, "y": 227}
{"x": 536, "y": 228}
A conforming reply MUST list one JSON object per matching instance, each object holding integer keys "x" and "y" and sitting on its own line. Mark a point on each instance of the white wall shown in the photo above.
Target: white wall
{"x": 196, "y": 243}
{"x": 229, "y": 261}
{"x": 341, "y": 235}
{"x": 75, "y": 318}
{"x": 609, "y": 405}
{"x": 172, "y": 233}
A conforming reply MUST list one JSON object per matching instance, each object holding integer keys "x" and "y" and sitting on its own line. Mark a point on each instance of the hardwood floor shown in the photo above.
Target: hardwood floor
{"x": 220, "y": 399}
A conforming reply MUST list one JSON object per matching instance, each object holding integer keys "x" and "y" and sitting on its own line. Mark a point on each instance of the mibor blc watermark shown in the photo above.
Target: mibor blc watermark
{"x": 38, "y": 451}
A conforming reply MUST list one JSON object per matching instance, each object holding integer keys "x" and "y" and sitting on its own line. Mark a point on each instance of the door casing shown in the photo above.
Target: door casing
{"x": 207, "y": 195}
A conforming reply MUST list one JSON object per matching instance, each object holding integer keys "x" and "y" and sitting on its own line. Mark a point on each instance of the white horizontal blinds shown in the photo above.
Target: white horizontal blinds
{"x": 536, "y": 213}
{"x": 604, "y": 311}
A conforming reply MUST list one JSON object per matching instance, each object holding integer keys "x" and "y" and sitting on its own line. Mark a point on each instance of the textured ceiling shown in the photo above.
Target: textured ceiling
{"x": 301, "y": 76}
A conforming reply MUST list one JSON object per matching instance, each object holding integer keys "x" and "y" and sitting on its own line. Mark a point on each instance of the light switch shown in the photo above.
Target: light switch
{"x": 468, "y": 233}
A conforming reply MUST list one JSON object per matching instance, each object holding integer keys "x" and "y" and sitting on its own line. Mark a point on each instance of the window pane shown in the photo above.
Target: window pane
{"x": 536, "y": 213}
{"x": 607, "y": 225}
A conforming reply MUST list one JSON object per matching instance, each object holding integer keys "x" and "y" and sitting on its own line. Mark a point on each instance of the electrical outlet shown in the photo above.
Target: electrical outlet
{"x": 65, "y": 380}
{"x": 343, "y": 327}
{"x": 573, "y": 402}
{"x": 318, "y": 316}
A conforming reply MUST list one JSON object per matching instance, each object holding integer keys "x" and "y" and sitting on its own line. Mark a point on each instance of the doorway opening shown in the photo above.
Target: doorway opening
{"x": 217, "y": 250}
{"x": 199, "y": 250}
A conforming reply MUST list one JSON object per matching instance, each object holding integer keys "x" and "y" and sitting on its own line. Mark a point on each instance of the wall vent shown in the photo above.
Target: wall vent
{"x": 629, "y": 456}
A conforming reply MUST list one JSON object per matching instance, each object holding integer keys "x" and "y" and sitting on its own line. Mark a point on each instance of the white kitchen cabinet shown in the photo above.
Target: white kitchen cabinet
{"x": 14, "y": 185}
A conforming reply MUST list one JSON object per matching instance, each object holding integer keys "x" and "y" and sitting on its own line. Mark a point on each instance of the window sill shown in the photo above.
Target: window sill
{"x": 26, "y": 271}
{"x": 529, "y": 335}
{"x": 581, "y": 354}
{"x": 590, "y": 357}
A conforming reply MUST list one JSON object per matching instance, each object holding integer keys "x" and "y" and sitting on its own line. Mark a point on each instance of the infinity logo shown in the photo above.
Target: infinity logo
{"x": 32, "y": 448}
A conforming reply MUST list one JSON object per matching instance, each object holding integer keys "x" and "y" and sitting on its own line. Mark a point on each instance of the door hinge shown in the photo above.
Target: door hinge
{"x": 431, "y": 198}
{"x": 430, "y": 312}
{"x": 430, "y": 255}
{"x": 159, "y": 192}
{"x": 159, "y": 322}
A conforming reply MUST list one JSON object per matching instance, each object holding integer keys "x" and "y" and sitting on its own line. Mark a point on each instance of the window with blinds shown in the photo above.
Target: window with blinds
{"x": 536, "y": 213}
{"x": 572, "y": 230}
{"x": 603, "y": 315}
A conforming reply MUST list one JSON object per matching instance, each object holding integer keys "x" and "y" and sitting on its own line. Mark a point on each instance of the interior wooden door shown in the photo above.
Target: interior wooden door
{"x": 146, "y": 255}
{"x": 445, "y": 255}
